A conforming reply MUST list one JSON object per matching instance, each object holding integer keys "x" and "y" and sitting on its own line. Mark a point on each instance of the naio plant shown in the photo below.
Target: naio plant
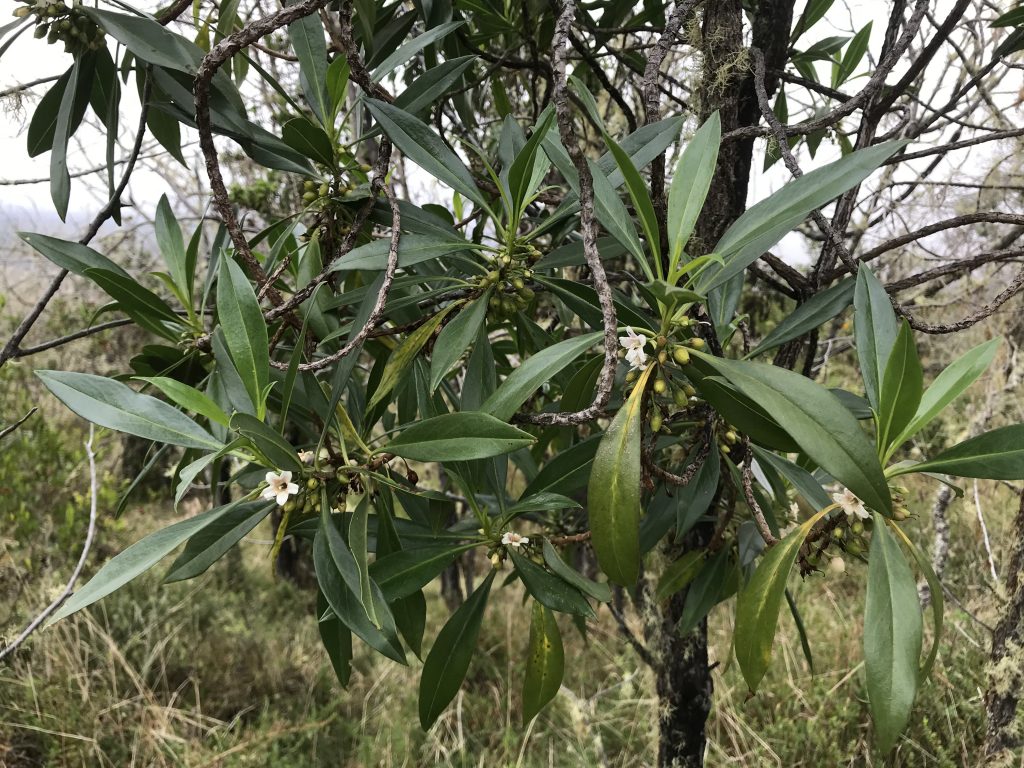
{"x": 376, "y": 369}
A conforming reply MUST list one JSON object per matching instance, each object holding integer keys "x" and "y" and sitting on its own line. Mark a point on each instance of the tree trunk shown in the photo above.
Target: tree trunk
{"x": 684, "y": 681}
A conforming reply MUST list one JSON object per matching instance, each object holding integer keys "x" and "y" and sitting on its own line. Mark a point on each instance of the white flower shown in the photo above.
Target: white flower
{"x": 850, "y": 504}
{"x": 634, "y": 344}
{"x": 280, "y": 487}
{"x": 306, "y": 457}
{"x": 510, "y": 539}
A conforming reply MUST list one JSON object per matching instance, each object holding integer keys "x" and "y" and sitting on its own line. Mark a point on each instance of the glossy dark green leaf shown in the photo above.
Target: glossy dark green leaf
{"x": 679, "y": 573}
{"x": 269, "y": 441}
{"x": 410, "y": 48}
{"x": 307, "y": 36}
{"x": 825, "y": 430}
{"x": 875, "y": 329}
{"x": 595, "y": 589}
{"x": 690, "y": 184}
{"x": 638, "y": 194}
{"x": 408, "y": 570}
{"x": 949, "y": 385}
{"x": 522, "y": 174}
{"x": 759, "y": 602}
{"x": 548, "y": 589}
{"x": 892, "y": 636}
{"x": 456, "y": 338}
{"x": 137, "y": 559}
{"x": 708, "y": 588}
{"x": 531, "y": 374}
{"x": 995, "y": 455}
{"x": 853, "y": 56}
{"x": 309, "y": 139}
{"x": 60, "y": 178}
{"x": 462, "y": 436}
{"x": 43, "y": 124}
{"x": 448, "y": 661}
{"x": 437, "y": 81}
{"x": 819, "y": 309}
{"x": 425, "y": 148}
{"x": 613, "y": 216}
{"x": 566, "y": 472}
{"x": 111, "y": 404}
{"x": 801, "y": 480}
{"x": 214, "y": 540}
{"x": 902, "y": 385}
{"x": 336, "y": 639}
{"x": 767, "y": 222}
{"x": 245, "y": 331}
{"x": 545, "y": 662}
{"x": 613, "y": 494}
{"x": 694, "y": 499}
{"x": 398, "y": 363}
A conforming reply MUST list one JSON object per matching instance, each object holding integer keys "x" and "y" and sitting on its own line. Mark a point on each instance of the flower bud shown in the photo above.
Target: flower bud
{"x": 837, "y": 565}
{"x": 656, "y": 422}
{"x": 660, "y": 386}
{"x": 681, "y": 355}
{"x": 696, "y": 342}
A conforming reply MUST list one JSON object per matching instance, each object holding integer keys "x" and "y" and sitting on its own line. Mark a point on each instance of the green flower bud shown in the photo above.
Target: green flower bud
{"x": 660, "y": 386}
{"x": 681, "y": 355}
{"x": 656, "y": 422}
{"x": 696, "y": 342}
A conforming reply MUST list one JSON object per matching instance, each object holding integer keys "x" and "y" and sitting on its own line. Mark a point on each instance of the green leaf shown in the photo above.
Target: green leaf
{"x": 937, "y": 600}
{"x": 43, "y": 124}
{"x": 358, "y": 540}
{"x": 309, "y": 139}
{"x": 949, "y": 385}
{"x": 892, "y": 636}
{"x": 758, "y": 605}
{"x": 402, "y": 358}
{"x": 995, "y": 455}
{"x": 613, "y": 216}
{"x": 638, "y": 194}
{"x": 545, "y": 662}
{"x": 336, "y": 639}
{"x": 410, "y": 48}
{"x": 421, "y": 145}
{"x": 172, "y": 248}
{"x": 820, "y": 308}
{"x": 188, "y": 397}
{"x": 690, "y": 184}
{"x": 111, "y": 404}
{"x": 136, "y": 560}
{"x": 900, "y": 393}
{"x": 432, "y": 84}
{"x": 448, "y": 660}
{"x": 875, "y": 329}
{"x": 60, "y": 178}
{"x": 528, "y": 377}
{"x": 214, "y": 540}
{"x": 767, "y": 222}
{"x": 456, "y": 338}
{"x": 149, "y": 41}
{"x": 462, "y": 436}
{"x": 245, "y": 332}
{"x": 307, "y": 36}
{"x": 853, "y": 56}
{"x": 613, "y": 494}
{"x": 412, "y": 249}
{"x": 406, "y": 571}
{"x": 596, "y": 589}
{"x": 709, "y": 587}
{"x": 694, "y": 499}
{"x": 548, "y": 589}
{"x": 521, "y": 175}
{"x": 269, "y": 442}
{"x": 139, "y": 303}
{"x": 678, "y": 574}
{"x": 825, "y": 430}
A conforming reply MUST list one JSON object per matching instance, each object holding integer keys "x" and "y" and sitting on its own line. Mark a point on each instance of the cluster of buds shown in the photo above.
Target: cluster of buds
{"x": 510, "y": 275}
{"x": 323, "y": 193}
{"x": 671, "y": 390}
{"x": 57, "y": 21}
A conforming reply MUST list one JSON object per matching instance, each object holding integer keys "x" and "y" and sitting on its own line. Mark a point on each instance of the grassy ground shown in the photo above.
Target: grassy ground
{"x": 227, "y": 671}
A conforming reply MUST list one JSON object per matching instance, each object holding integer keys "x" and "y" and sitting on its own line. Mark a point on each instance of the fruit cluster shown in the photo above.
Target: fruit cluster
{"x": 509, "y": 277}
{"x": 58, "y": 22}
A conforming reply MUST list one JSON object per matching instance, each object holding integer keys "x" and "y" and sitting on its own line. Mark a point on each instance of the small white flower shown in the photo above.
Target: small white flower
{"x": 511, "y": 539}
{"x": 306, "y": 457}
{"x": 634, "y": 344}
{"x": 850, "y": 504}
{"x": 280, "y": 487}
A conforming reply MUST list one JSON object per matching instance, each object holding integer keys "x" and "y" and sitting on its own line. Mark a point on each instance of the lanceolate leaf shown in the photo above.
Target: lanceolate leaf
{"x": 528, "y": 377}
{"x": 892, "y": 636}
{"x": 758, "y": 604}
{"x": 336, "y": 638}
{"x": 111, "y": 404}
{"x": 406, "y": 571}
{"x": 245, "y": 331}
{"x": 613, "y": 495}
{"x": 995, "y": 455}
{"x": 875, "y": 330}
{"x": 690, "y": 184}
{"x": 172, "y": 248}
{"x": 60, "y": 179}
{"x": 213, "y": 541}
{"x": 901, "y": 388}
{"x": 597, "y": 590}
{"x": 448, "y": 661}
{"x": 819, "y": 309}
{"x": 949, "y": 385}
{"x": 412, "y": 250}
{"x": 307, "y": 36}
{"x": 188, "y": 397}
{"x": 456, "y": 338}
{"x": 402, "y": 357}
{"x": 73, "y": 257}
{"x": 460, "y": 436}
{"x": 137, "y": 559}
{"x": 545, "y": 662}
{"x": 824, "y": 429}
{"x": 421, "y": 145}
{"x": 555, "y": 593}
{"x": 765, "y": 223}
